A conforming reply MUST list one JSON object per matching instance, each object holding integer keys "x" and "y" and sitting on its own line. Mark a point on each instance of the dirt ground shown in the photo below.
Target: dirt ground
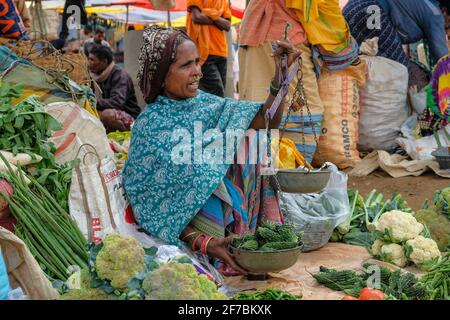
{"x": 413, "y": 189}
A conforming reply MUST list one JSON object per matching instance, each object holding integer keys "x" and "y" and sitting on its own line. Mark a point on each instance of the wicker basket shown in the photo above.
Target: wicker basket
{"x": 80, "y": 72}
{"x": 163, "y": 4}
{"x": 42, "y": 54}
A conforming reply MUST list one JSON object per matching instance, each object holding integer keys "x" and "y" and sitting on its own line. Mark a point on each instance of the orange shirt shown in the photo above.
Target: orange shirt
{"x": 210, "y": 41}
{"x": 265, "y": 20}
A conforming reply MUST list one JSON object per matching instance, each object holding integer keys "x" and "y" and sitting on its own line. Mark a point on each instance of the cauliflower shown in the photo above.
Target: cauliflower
{"x": 402, "y": 226}
{"x": 376, "y": 247}
{"x": 422, "y": 250}
{"x": 87, "y": 294}
{"x": 119, "y": 260}
{"x": 393, "y": 253}
{"x": 179, "y": 281}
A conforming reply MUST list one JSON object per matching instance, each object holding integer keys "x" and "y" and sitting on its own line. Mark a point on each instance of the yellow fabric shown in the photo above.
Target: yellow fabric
{"x": 288, "y": 157}
{"x": 209, "y": 39}
{"x": 323, "y": 22}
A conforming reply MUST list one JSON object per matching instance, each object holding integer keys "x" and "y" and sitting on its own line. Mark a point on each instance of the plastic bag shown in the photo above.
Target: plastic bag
{"x": 317, "y": 214}
{"x": 421, "y": 149}
{"x": 4, "y": 282}
{"x": 96, "y": 194}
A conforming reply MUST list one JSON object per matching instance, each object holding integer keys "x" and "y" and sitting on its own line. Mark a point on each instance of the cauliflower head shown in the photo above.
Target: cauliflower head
{"x": 179, "y": 281}
{"x": 87, "y": 294}
{"x": 394, "y": 253}
{"x": 119, "y": 260}
{"x": 401, "y": 225}
{"x": 422, "y": 250}
{"x": 376, "y": 247}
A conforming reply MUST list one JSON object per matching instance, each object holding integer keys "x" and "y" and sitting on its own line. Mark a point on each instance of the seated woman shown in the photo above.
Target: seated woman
{"x": 183, "y": 201}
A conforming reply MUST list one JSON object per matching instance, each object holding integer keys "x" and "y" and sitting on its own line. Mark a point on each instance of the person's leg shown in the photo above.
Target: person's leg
{"x": 211, "y": 82}
{"x": 222, "y": 67}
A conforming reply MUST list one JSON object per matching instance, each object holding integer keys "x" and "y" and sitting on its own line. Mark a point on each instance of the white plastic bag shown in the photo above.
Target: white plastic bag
{"x": 96, "y": 193}
{"x": 383, "y": 104}
{"x": 421, "y": 149}
{"x": 317, "y": 214}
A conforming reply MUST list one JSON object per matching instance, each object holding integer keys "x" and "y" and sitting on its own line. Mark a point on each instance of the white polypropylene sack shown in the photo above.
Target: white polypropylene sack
{"x": 383, "y": 104}
{"x": 308, "y": 214}
{"x": 79, "y": 127}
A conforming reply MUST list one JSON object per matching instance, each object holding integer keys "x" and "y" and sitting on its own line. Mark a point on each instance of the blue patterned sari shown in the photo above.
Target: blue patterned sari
{"x": 167, "y": 195}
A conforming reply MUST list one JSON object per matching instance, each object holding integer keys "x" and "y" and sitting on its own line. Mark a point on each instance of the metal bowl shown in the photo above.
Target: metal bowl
{"x": 260, "y": 262}
{"x": 300, "y": 180}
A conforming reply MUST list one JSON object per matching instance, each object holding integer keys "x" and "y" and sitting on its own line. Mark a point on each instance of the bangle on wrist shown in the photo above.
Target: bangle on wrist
{"x": 274, "y": 89}
{"x": 189, "y": 235}
{"x": 195, "y": 241}
{"x": 205, "y": 244}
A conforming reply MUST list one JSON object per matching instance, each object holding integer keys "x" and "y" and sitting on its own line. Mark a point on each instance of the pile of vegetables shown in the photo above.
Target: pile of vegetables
{"x": 401, "y": 239}
{"x": 269, "y": 294}
{"x": 437, "y": 280}
{"x": 120, "y": 143}
{"x": 270, "y": 236}
{"x": 47, "y": 229}
{"x": 437, "y": 224}
{"x": 394, "y": 285}
{"x": 25, "y": 129}
{"x": 120, "y": 268}
{"x": 364, "y": 214}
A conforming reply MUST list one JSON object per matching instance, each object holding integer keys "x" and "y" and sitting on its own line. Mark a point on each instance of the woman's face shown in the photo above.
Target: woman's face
{"x": 182, "y": 79}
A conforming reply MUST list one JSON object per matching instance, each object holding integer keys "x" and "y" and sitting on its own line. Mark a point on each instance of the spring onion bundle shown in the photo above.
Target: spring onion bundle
{"x": 52, "y": 236}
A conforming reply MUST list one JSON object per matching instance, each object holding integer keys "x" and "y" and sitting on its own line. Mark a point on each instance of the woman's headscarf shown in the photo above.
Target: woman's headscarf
{"x": 157, "y": 54}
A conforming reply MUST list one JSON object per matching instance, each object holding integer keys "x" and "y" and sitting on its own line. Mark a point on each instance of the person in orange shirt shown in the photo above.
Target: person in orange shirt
{"x": 206, "y": 24}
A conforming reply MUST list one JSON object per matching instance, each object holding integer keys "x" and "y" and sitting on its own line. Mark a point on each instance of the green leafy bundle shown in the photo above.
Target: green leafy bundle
{"x": 26, "y": 128}
{"x": 395, "y": 284}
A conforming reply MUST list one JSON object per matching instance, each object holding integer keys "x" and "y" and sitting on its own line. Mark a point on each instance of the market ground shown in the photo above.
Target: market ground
{"x": 413, "y": 189}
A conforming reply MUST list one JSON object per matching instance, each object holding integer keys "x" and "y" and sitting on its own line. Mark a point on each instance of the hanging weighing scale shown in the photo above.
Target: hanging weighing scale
{"x": 302, "y": 179}
{"x": 299, "y": 180}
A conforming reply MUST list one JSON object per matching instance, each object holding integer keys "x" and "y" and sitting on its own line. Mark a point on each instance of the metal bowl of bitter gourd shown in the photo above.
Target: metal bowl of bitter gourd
{"x": 262, "y": 262}
{"x": 269, "y": 257}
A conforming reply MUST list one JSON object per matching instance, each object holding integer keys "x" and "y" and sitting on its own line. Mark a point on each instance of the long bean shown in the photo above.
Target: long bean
{"x": 52, "y": 223}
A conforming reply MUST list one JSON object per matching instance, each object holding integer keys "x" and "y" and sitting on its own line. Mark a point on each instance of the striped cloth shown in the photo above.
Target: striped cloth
{"x": 389, "y": 42}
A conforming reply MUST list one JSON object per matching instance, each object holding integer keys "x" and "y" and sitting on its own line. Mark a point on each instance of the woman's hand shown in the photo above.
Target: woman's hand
{"x": 284, "y": 47}
{"x": 218, "y": 248}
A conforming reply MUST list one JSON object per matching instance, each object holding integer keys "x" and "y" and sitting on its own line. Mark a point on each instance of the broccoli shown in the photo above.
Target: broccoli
{"x": 87, "y": 294}
{"x": 179, "y": 281}
{"x": 119, "y": 260}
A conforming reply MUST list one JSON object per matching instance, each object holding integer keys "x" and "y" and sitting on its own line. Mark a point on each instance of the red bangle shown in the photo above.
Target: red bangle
{"x": 205, "y": 245}
{"x": 195, "y": 240}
